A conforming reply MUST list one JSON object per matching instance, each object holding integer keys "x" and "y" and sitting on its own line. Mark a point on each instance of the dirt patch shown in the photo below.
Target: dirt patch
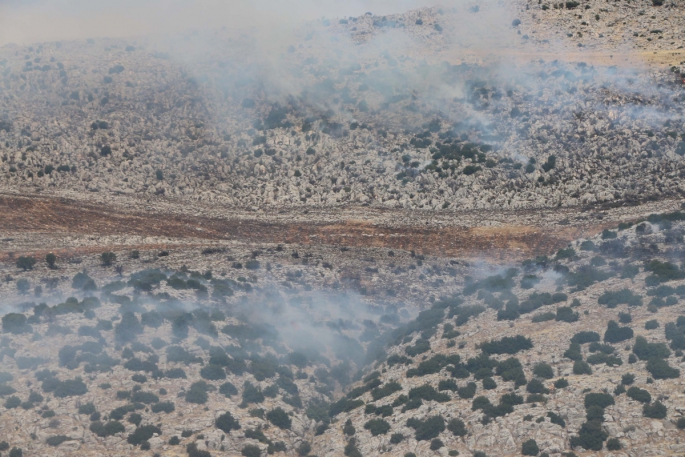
{"x": 510, "y": 242}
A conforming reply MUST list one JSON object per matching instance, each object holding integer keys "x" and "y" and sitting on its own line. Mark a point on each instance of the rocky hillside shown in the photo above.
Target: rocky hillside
{"x": 405, "y": 111}
{"x": 579, "y": 353}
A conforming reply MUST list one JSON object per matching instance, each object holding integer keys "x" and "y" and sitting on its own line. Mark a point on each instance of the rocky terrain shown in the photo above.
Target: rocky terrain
{"x": 455, "y": 230}
{"x": 405, "y": 111}
{"x": 301, "y": 352}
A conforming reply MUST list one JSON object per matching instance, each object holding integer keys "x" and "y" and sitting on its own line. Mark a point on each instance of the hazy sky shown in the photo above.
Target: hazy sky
{"x": 32, "y": 21}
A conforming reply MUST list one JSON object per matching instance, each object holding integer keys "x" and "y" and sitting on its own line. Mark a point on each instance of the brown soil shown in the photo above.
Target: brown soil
{"x": 52, "y": 216}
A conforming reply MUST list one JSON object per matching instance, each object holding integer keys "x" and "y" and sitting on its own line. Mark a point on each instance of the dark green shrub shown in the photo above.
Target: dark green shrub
{"x": 640, "y": 395}
{"x": 530, "y": 447}
{"x": 601, "y": 400}
{"x": 561, "y": 383}
{"x": 623, "y": 296}
{"x": 16, "y": 452}
{"x": 654, "y": 411}
{"x": 163, "y": 407}
{"x": 457, "y": 427}
{"x": 26, "y": 263}
{"x": 585, "y": 337}
{"x": 489, "y": 383}
{"x": 12, "y": 402}
{"x": 556, "y": 419}
{"x": 616, "y": 334}
{"x": 651, "y": 324}
{"x": 535, "y": 386}
{"x": 591, "y": 436}
{"x": 226, "y": 422}
{"x": 627, "y": 379}
{"x": 196, "y": 395}
{"x": 613, "y": 444}
{"x": 377, "y": 427}
{"x": 88, "y": 408}
{"x": 427, "y": 429}
{"x": 580, "y": 367}
{"x": 386, "y": 390}
{"x": 15, "y": 323}
{"x": 543, "y": 370}
{"x": 213, "y": 373}
{"x": 279, "y": 418}
{"x": 108, "y": 258}
{"x": 566, "y": 314}
{"x": 250, "y": 450}
{"x": 108, "y": 429}
{"x": 397, "y": 438}
{"x": 644, "y": 350}
{"x": 660, "y": 369}
{"x": 70, "y": 388}
{"x": 227, "y": 389}
{"x": 507, "y": 345}
{"x": 436, "y": 444}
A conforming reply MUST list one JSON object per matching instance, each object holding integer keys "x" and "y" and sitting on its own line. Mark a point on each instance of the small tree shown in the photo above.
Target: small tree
{"x": 50, "y": 259}
{"x": 226, "y": 422}
{"x": 279, "y": 418}
{"x": 23, "y": 286}
{"x": 26, "y": 263}
{"x": 530, "y": 447}
{"x": 108, "y": 258}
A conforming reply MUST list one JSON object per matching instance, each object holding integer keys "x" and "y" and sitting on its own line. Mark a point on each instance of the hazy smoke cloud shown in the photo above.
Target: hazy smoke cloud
{"x": 50, "y": 20}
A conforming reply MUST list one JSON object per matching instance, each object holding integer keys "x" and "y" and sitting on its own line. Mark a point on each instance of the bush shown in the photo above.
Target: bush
{"x": 660, "y": 369}
{"x": 227, "y": 389}
{"x": 681, "y": 423}
{"x": 144, "y": 397}
{"x": 163, "y": 407}
{"x": 561, "y": 383}
{"x": 616, "y": 334}
{"x": 213, "y": 372}
{"x": 585, "y": 337}
{"x": 566, "y": 314}
{"x": 12, "y": 402}
{"x": 251, "y": 450}
{"x": 142, "y": 434}
{"x": 226, "y": 422}
{"x": 598, "y": 399}
{"x": 197, "y": 395}
{"x": 436, "y": 444}
{"x": 88, "y": 408}
{"x": 580, "y": 367}
{"x": 15, "y": 323}
{"x": 645, "y": 350}
{"x": 377, "y": 427}
{"x": 535, "y": 386}
{"x": 16, "y": 452}
{"x": 591, "y": 436}
{"x": 507, "y": 345}
{"x": 530, "y": 447}
{"x": 26, "y": 263}
{"x": 457, "y": 427}
{"x": 108, "y": 429}
{"x": 70, "y": 388}
{"x": 489, "y": 383}
{"x": 613, "y": 444}
{"x": 651, "y": 325}
{"x": 654, "y": 411}
{"x": 427, "y": 429}
{"x": 279, "y": 418}
{"x": 386, "y": 390}
{"x": 619, "y": 297}
{"x": 108, "y": 258}
{"x": 543, "y": 370}
{"x": 640, "y": 395}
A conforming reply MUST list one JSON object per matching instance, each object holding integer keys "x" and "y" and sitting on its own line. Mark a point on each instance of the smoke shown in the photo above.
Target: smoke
{"x": 35, "y": 21}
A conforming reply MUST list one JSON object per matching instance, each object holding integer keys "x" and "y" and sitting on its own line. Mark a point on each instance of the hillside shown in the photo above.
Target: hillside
{"x": 289, "y": 352}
